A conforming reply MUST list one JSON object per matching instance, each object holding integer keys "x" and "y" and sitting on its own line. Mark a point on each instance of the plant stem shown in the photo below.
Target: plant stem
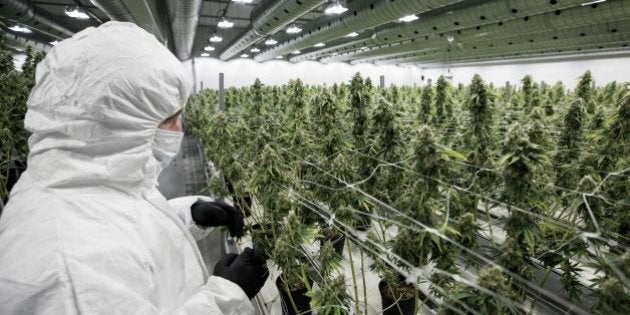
{"x": 365, "y": 304}
{"x": 354, "y": 279}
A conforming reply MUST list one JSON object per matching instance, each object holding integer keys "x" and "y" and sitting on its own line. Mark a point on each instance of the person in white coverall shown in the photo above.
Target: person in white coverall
{"x": 85, "y": 230}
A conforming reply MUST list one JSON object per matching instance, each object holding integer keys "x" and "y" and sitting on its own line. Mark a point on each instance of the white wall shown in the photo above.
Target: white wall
{"x": 243, "y": 72}
{"x": 18, "y": 60}
{"x": 604, "y": 71}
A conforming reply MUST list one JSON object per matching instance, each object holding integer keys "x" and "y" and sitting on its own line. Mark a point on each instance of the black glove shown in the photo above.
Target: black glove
{"x": 248, "y": 270}
{"x": 218, "y": 213}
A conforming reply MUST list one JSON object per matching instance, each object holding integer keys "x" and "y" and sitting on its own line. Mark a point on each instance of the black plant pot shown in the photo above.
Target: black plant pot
{"x": 397, "y": 306}
{"x": 301, "y": 302}
{"x": 262, "y": 238}
{"x": 338, "y": 243}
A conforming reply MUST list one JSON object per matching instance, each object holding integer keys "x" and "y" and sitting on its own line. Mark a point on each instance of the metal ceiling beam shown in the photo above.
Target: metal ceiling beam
{"x": 380, "y": 13}
{"x": 610, "y": 40}
{"x": 22, "y": 11}
{"x": 269, "y": 21}
{"x": 495, "y": 15}
{"x": 184, "y": 18}
{"x": 578, "y": 20}
{"x": 439, "y": 45}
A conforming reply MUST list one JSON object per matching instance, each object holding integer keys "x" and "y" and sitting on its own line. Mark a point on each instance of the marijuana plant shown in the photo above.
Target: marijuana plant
{"x": 520, "y": 162}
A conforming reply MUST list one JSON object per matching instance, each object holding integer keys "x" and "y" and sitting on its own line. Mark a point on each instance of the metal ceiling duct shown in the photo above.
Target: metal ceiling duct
{"x": 22, "y": 11}
{"x": 571, "y": 18}
{"x": 184, "y": 17}
{"x": 145, "y": 14}
{"x": 383, "y": 12}
{"x": 115, "y": 10}
{"x": 16, "y": 41}
{"x": 492, "y": 14}
{"x": 271, "y": 20}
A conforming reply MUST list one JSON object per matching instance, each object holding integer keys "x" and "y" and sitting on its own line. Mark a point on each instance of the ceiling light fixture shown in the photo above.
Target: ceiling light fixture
{"x": 20, "y": 28}
{"x": 270, "y": 42}
{"x": 225, "y": 23}
{"x": 408, "y": 18}
{"x": 279, "y": 57}
{"x": 243, "y": 1}
{"x": 353, "y": 34}
{"x": 254, "y": 50}
{"x": 450, "y": 39}
{"x": 205, "y": 55}
{"x": 76, "y": 12}
{"x": 319, "y": 45}
{"x": 592, "y": 2}
{"x": 216, "y": 38}
{"x": 209, "y": 48}
{"x": 244, "y": 56}
{"x": 297, "y": 52}
{"x": 335, "y": 7}
{"x": 293, "y": 29}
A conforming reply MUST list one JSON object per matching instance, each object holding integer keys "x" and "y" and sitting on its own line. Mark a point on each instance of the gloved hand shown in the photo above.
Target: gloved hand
{"x": 248, "y": 270}
{"x": 218, "y": 213}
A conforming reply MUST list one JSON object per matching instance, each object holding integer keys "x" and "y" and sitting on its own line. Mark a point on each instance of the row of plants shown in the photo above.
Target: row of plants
{"x": 539, "y": 172}
{"x": 15, "y": 87}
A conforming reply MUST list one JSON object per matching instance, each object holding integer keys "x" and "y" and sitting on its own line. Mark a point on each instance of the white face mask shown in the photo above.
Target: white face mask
{"x": 166, "y": 145}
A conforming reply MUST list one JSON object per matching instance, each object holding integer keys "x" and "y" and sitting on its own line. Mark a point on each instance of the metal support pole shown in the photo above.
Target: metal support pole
{"x": 194, "y": 73}
{"x": 221, "y": 92}
{"x": 382, "y": 82}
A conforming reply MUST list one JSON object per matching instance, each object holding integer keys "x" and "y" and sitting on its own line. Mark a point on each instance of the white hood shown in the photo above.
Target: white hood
{"x": 96, "y": 106}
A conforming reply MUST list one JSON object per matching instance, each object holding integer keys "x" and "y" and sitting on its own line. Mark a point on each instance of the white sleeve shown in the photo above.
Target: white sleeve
{"x": 182, "y": 208}
{"x": 219, "y": 296}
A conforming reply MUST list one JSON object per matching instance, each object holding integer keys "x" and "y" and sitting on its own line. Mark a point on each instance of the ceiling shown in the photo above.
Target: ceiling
{"x": 445, "y": 31}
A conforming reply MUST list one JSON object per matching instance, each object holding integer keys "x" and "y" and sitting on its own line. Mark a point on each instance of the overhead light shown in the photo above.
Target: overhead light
{"x": 592, "y": 2}
{"x": 243, "y": 1}
{"x": 216, "y": 38}
{"x": 20, "y": 28}
{"x": 319, "y": 45}
{"x": 205, "y": 55}
{"x": 54, "y": 43}
{"x": 335, "y": 7}
{"x": 293, "y": 29}
{"x": 209, "y": 48}
{"x": 254, "y": 50}
{"x": 353, "y": 34}
{"x": 244, "y": 56}
{"x": 76, "y": 12}
{"x": 297, "y": 52}
{"x": 270, "y": 42}
{"x": 408, "y": 18}
{"x": 450, "y": 39}
{"x": 279, "y": 57}
{"x": 225, "y": 23}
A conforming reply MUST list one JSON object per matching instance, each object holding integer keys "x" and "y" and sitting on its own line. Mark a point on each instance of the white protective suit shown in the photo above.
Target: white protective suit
{"x": 85, "y": 230}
